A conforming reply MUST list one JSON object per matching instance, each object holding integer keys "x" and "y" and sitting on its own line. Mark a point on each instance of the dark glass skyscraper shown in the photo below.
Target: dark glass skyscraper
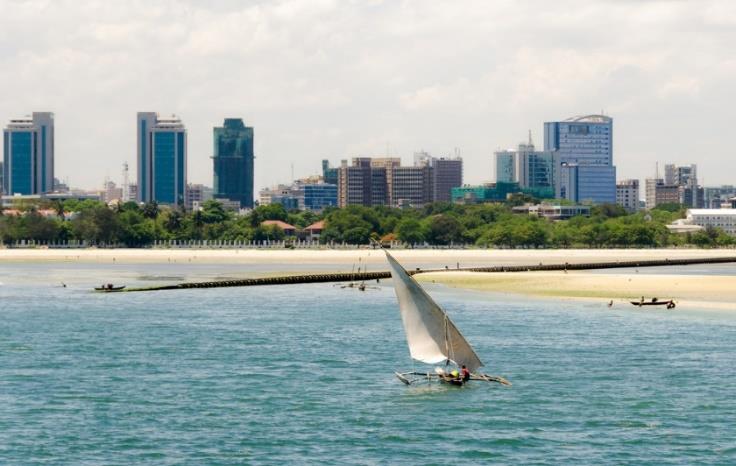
{"x": 233, "y": 162}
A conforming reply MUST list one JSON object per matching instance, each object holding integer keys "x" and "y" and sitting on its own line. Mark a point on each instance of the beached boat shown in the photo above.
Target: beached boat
{"x": 109, "y": 288}
{"x": 654, "y": 302}
{"x": 432, "y": 337}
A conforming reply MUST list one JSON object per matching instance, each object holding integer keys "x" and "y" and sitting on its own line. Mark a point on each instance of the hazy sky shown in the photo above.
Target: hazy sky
{"x": 338, "y": 79}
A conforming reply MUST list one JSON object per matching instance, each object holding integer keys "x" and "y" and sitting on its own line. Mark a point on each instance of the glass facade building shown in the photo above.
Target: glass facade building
{"x": 162, "y": 159}
{"x": 587, "y": 183}
{"x": 28, "y": 155}
{"x": 583, "y": 151}
{"x": 329, "y": 174}
{"x": 505, "y": 166}
{"x": 320, "y": 196}
{"x": 233, "y": 162}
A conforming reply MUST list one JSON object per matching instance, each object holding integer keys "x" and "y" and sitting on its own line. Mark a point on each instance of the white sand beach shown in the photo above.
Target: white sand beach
{"x": 438, "y": 258}
{"x": 711, "y": 291}
{"x": 717, "y": 291}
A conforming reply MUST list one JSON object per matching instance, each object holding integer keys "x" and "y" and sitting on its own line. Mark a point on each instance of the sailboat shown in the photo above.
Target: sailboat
{"x": 432, "y": 337}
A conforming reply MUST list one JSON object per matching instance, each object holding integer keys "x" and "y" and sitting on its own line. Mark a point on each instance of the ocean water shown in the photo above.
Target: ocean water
{"x": 304, "y": 375}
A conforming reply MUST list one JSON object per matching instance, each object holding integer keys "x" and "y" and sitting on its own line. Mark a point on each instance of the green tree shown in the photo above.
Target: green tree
{"x": 410, "y": 231}
{"x": 150, "y": 209}
{"x": 444, "y": 229}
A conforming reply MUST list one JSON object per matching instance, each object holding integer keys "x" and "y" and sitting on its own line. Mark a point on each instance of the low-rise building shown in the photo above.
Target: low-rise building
{"x": 724, "y": 219}
{"x": 8, "y": 201}
{"x": 553, "y": 212}
{"x": 314, "y": 231}
{"x": 493, "y": 192}
{"x": 289, "y": 230}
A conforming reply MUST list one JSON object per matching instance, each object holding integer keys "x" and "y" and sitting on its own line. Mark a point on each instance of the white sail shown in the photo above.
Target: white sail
{"x": 431, "y": 335}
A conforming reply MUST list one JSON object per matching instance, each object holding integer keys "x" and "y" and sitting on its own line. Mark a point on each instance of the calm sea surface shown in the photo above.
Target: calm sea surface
{"x": 304, "y": 374}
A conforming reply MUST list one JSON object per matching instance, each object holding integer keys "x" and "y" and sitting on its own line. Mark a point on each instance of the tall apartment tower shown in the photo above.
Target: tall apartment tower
{"x": 583, "y": 151}
{"x": 362, "y": 184}
{"x": 28, "y": 154}
{"x": 443, "y": 174}
{"x": 162, "y": 159}
{"x": 447, "y": 173}
{"x": 233, "y": 162}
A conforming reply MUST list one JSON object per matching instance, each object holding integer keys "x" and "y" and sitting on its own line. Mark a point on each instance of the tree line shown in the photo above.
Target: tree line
{"x": 440, "y": 224}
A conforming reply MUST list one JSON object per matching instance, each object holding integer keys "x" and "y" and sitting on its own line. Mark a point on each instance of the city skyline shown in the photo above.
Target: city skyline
{"x": 374, "y": 79}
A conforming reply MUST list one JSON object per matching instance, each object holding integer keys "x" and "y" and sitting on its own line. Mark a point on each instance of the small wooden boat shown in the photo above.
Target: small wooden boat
{"x": 109, "y": 288}
{"x": 654, "y": 302}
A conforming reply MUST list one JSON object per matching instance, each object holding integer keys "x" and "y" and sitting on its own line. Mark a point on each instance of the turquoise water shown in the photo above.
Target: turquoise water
{"x": 304, "y": 374}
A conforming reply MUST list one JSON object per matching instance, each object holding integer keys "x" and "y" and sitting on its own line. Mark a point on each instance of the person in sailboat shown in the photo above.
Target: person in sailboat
{"x": 465, "y": 373}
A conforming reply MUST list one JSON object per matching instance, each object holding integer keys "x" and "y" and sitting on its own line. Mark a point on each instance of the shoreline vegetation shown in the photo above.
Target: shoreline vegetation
{"x": 439, "y": 224}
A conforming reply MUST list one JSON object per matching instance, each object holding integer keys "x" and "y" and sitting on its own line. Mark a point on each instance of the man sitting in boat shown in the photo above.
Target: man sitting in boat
{"x": 465, "y": 373}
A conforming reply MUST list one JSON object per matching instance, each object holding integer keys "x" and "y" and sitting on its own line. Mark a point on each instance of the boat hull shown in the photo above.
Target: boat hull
{"x": 669, "y": 304}
{"x": 409, "y": 378}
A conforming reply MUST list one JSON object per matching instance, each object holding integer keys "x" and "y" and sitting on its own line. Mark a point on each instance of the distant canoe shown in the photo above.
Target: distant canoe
{"x": 669, "y": 303}
{"x": 109, "y": 288}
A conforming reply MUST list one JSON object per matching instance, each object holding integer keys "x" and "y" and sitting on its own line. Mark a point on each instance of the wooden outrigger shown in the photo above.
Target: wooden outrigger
{"x": 447, "y": 378}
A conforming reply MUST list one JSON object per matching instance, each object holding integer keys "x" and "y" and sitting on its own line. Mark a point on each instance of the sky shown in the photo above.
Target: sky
{"x": 338, "y": 79}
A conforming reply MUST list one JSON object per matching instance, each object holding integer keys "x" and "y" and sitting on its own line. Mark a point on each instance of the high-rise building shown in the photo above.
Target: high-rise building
{"x": 329, "y": 174}
{"x": 535, "y": 169}
{"x": 411, "y": 186}
{"x": 28, "y": 154}
{"x": 530, "y": 168}
{"x": 627, "y": 194}
{"x": 362, "y": 183}
{"x": 686, "y": 179}
{"x": 505, "y": 166}
{"x": 162, "y": 159}
{"x": 319, "y": 196}
{"x": 658, "y": 193}
{"x": 586, "y": 183}
{"x": 446, "y": 173}
{"x": 681, "y": 175}
{"x": 583, "y": 151}
{"x": 233, "y": 162}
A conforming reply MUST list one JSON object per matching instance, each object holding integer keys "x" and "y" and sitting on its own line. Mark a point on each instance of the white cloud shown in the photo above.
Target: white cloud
{"x": 337, "y": 79}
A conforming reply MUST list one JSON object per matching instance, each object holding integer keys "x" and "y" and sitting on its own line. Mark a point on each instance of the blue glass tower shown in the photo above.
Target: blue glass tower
{"x": 162, "y": 159}
{"x": 583, "y": 153}
{"x": 233, "y": 162}
{"x": 28, "y": 155}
